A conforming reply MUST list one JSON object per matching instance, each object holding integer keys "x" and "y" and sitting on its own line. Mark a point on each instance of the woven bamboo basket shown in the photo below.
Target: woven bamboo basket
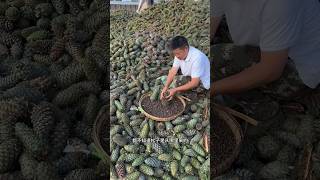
{"x": 99, "y": 129}
{"x": 147, "y": 95}
{"x": 238, "y": 134}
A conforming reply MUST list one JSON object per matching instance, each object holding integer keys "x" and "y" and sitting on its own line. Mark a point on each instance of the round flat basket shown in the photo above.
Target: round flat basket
{"x": 147, "y": 95}
{"x": 238, "y": 135}
{"x": 99, "y": 129}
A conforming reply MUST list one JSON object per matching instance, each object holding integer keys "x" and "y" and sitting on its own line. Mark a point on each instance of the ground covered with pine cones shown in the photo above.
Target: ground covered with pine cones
{"x": 53, "y": 69}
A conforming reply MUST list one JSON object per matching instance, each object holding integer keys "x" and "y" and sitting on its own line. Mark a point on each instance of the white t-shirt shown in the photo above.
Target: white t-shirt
{"x": 276, "y": 25}
{"x": 196, "y": 65}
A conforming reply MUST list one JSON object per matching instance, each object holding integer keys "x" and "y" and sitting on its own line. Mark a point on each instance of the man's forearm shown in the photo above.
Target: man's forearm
{"x": 252, "y": 77}
{"x": 188, "y": 86}
{"x": 267, "y": 70}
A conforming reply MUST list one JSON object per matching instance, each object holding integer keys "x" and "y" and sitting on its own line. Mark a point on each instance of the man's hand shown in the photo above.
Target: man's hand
{"x": 172, "y": 73}
{"x": 165, "y": 88}
{"x": 267, "y": 70}
{"x": 172, "y": 92}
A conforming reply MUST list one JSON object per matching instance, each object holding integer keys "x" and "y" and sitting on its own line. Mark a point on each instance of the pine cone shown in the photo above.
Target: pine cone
{"x": 59, "y": 139}
{"x": 27, "y": 93}
{"x": 7, "y": 128}
{"x": 42, "y": 59}
{"x": 57, "y": 49}
{"x": 5, "y": 24}
{"x": 11, "y": 176}
{"x": 46, "y": 171}
{"x": 91, "y": 110}
{"x": 9, "y": 154}
{"x": 95, "y": 21}
{"x": 33, "y": 144}
{"x": 39, "y": 46}
{"x": 82, "y": 174}
{"x": 28, "y": 165}
{"x": 70, "y": 162}
{"x": 83, "y": 130}
{"x": 12, "y": 109}
{"x": 70, "y": 75}
{"x": 59, "y": 5}
{"x": 74, "y": 7}
{"x": 76, "y": 91}
{"x": 42, "y": 119}
{"x": 74, "y": 50}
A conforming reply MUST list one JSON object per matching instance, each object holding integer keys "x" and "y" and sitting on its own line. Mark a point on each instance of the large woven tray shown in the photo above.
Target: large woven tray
{"x": 238, "y": 134}
{"x": 147, "y": 95}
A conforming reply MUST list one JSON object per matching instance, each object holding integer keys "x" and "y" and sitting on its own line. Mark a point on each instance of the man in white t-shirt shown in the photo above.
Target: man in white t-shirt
{"x": 282, "y": 29}
{"x": 192, "y": 62}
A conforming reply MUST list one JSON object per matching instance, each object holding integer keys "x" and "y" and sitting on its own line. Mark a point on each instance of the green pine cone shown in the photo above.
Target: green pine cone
{"x": 146, "y": 170}
{"x": 119, "y": 106}
{"x": 174, "y": 168}
{"x": 133, "y": 176}
{"x": 190, "y": 152}
{"x": 10, "y": 150}
{"x": 42, "y": 119}
{"x": 59, "y": 139}
{"x": 190, "y": 178}
{"x": 81, "y": 174}
{"x": 132, "y": 148}
{"x": 33, "y": 144}
{"x": 157, "y": 148}
{"x": 115, "y": 154}
{"x": 120, "y": 140}
{"x": 70, "y": 75}
{"x": 178, "y": 120}
{"x": 76, "y": 91}
{"x": 38, "y": 35}
{"x": 28, "y": 165}
{"x": 179, "y": 128}
{"x": 144, "y": 131}
{"x": 138, "y": 161}
{"x": 12, "y": 176}
{"x": 188, "y": 169}
{"x": 47, "y": 171}
{"x": 153, "y": 162}
{"x": 91, "y": 110}
{"x": 131, "y": 157}
{"x": 69, "y": 162}
{"x": 192, "y": 123}
{"x": 195, "y": 163}
{"x": 185, "y": 159}
{"x": 155, "y": 94}
{"x": 7, "y": 129}
{"x": 176, "y": 155}
{"x": 165, "y": 157}
{"x": 197, "y": 148}
{"x": 13, "y": 109}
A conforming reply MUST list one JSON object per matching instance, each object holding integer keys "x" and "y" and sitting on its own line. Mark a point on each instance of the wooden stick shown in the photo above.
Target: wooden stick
{"x": 303, "y": 166}
{"x": 185, "y": 98}
{"x": 237, "y": 114}
{"x": 205, "y": 142}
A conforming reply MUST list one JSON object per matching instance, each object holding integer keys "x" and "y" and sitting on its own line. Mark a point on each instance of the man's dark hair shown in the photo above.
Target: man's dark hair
{"x": 178, "y": 42}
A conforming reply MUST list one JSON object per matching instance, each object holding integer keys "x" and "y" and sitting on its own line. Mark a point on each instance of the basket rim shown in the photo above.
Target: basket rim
{"x": 159, "y": 118}
{"x": 97, "y": 126}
